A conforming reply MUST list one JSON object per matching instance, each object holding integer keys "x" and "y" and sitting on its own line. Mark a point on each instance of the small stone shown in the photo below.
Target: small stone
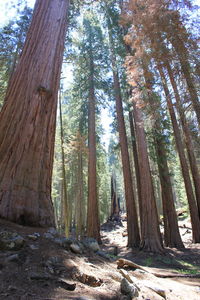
{"x": 128, "y": 289}
{"x": 75, "y": 248}
{"x": 32, "y": 237}
{"x": 52, "y": 231}
{"x": 13, "y": 257}
{"x": 48, "y": 236}
{"x": 33, "y": 247}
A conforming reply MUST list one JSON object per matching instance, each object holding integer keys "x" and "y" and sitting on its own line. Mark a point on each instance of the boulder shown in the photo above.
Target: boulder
{"x": 91, "y": 244}
{"x": 75, "y": 248}
{"x": 128, "y": 289}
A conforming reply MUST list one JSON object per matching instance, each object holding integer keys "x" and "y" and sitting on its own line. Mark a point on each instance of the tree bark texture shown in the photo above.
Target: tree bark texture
{"x": 184, "y": 165}
{"x": 115, "y": 206}
{"x": 27, "y": 120}
{"x": 132, "y": 218}
{"x": 136, "y": 162}
{"x": 64, "y": 178}
{"x": 150, "y": 232}
{"x": 182, "y": 52}
{"x": 93, "y": 224}
{"x": 171, "y": 231}
{"x": 188, "y": 138}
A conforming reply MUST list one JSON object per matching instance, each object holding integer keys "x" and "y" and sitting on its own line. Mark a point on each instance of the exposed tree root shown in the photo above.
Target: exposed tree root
{"x": 124, "y": 262}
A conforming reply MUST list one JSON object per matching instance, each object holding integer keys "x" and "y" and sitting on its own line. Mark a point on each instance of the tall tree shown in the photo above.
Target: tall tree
{"x": 27, "y": 120}
{"x": 132, "y": 218}
{"x": 184, "y": 165}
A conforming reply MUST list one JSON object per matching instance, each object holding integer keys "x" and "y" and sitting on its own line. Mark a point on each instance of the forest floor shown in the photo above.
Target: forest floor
{"x": 43, "y": 270}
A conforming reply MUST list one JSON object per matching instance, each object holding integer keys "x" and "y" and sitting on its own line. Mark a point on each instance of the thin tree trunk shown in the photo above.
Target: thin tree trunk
{"x": 132, "y": 218}
{"x": 93, "y": 224}
{"x": 28, "y": 118}
{"x": 150, "y": 232}
{"x": 136, "y": 162}
{"x": 64, "y": 179}
{"x": 188, "y": 139}
{"x": 184, "y": 166}
{"x": 79, "y": 206}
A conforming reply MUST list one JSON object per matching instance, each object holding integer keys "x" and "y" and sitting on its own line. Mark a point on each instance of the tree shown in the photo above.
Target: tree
{"x": 27, "y": 120}
{"x": 132, "y": 218}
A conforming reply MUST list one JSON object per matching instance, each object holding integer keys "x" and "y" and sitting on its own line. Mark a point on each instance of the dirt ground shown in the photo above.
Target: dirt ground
{"x": 44, "y": 270}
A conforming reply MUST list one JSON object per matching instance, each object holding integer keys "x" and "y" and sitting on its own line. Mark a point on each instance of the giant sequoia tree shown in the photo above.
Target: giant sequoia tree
{"x": 27, "y": 120}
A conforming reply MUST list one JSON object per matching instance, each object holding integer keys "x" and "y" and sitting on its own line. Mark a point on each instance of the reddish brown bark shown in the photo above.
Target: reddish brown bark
{"x": 115, "y": 206}
{"x": 184, "y": 166}
{"x": 93, "y": 224}
{"x": 171, "y": 231}
{"x": 27, "y": 120}
{"x": 132, "y": 218}
{"x": 150, "y": 232}
{"x": 182, "y": 52}
{"x": 188, "y": 138}
{"x": 136, "y": 163}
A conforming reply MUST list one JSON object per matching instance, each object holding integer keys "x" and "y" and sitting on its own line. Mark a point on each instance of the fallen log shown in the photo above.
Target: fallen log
{"x": 124, "y": 262}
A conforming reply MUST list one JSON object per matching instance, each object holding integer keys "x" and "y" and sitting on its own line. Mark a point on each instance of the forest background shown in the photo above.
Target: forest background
{"x": 139, "y": 62}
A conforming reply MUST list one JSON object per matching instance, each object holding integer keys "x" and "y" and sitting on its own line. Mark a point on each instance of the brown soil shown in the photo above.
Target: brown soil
{"x": 32, "y": 277}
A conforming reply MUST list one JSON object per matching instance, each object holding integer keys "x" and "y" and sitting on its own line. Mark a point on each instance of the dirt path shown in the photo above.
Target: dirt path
{"x": 42, "y": 269}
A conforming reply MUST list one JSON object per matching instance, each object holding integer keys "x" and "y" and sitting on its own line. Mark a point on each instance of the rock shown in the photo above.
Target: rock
{"x": 65, "y": 285}
{"x": 48, "y": 236}
{"x": 52, "y": 231}
{"x": 91, "y": 244}
{"x": 13, "y": 257}
{"x": 32, "y": 237}
{"x": 39, "y": 276}
{"x": 11, "y": 241}
{"x": 33, "y": 247}
{"x": 88, "y": 279}
{"x": 75, "y": 248}
{"x": 129, "y": 289}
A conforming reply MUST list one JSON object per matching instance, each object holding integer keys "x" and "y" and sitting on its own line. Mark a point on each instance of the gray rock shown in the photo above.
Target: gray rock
{"x": 13, "y": 257}
{"x": 32, "y": 237}
{"x": 129, "y": 289}
{"x": 34, "y": 247}
{"x": 91, "y": 244}
{"x": 11, "y": 241}
{"x": 75, "y": 248}
{"x": 48, "y": 236}
{"x": 52, "y": 231}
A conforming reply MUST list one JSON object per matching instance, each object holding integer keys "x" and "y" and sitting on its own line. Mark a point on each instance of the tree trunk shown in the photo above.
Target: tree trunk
{"x": 79, "y": 206}
{"x": 188, "y": 139}
{"x": 64, "y": 178}
{"x": 28, "y": 118}
{"x": 150, "y": 232}
{"x": 184, "y": 166}
{"x": 182, "y": 52}
{"x": 115, "y": 206}
{"x": 171, "y": 231}
{"x": 132, "y": 218}
{"x": 136, "y": 162}
{"x": 93, "y": 224}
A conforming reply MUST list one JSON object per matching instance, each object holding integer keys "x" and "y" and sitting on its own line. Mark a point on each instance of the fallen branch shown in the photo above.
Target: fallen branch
{"x": 124, "y": 262}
